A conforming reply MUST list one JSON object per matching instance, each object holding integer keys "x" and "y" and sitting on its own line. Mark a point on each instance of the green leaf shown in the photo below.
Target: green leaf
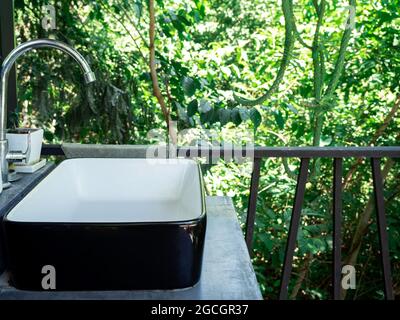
{"x": 266, "y": 240}
{"x": 224, "y": 116}
{"x": 178, "y": 25}
{"x": 182, "y": 17}
{"x": 204, "y": 106}
{"x": 145, "y": 76}
{"x": 244, "y": 114}
{"x": 300, "y": 130}
{"x": 213, "y": 116}
{"x": 235, "y": 116}
{"x": 255, "y": 117}
{"x": 201, "y": 8}
{"x": 181, "y": 112}
{"x": 291, "y": 107}
{"x": 48, "y": 135}
{"x": 193, "y": 108}
{"x": 280, "y": 121}
{"x": 206, "y": 117}
{"x": 138, "y": 8}
{"x": 166, "y": 30}
{"x": 189, "y": 86}
{"x": 326, "y": 141}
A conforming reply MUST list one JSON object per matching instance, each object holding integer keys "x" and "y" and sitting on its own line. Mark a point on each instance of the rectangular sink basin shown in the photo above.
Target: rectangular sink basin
{"x": 110, "y": 224}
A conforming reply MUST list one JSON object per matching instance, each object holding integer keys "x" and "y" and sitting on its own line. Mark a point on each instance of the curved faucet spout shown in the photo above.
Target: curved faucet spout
{"x": 5, "y": 70}
{"x": 19, "y": 51}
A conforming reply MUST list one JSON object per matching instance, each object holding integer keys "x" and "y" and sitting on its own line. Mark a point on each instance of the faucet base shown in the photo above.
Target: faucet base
{"x": 3, "y": 161}
{"x": 13, "y": 176}
{"x": 6, "y": 185}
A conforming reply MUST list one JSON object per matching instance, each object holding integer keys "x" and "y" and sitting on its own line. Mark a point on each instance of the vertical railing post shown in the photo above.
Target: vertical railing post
{"x": 337, "y": 223}
{"x": 294, "y": 227}
{"x": 251, "y": 209}
{"x": 382, "y": 227}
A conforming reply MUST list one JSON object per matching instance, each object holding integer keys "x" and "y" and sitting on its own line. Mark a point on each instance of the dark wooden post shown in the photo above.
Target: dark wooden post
{"x": 7, "y": 44}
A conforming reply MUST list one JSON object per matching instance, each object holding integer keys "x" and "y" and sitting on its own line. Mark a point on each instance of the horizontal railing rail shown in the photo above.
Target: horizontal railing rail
{"x": 271, "y": 152}
{"x": 305, "y": 154}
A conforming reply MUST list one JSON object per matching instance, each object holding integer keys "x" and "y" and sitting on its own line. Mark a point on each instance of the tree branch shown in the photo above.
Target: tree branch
{"x": 337, "y": 71}
{"x": 316, "y": 51}
{"x": 153, "y": 73}
{"x": 135, "y": 26}
{"x": 302, "y": 276}
{"x": 126, "y": 29}
{"x": 374, "y": 139}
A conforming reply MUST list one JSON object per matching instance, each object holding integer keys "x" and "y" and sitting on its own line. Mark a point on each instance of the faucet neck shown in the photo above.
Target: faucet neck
{"x": 20, "y": 50}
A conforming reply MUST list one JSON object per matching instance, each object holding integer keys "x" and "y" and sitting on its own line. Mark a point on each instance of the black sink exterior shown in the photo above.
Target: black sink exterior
{"x": 106, "y": 256}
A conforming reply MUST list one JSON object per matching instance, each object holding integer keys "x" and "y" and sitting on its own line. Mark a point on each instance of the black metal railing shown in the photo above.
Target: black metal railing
{"x": 306, "y": 154}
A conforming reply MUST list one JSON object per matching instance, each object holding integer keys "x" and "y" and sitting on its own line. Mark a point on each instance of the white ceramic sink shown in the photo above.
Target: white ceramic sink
{"x": 115, "y": 190}
{"x": 106, "y": 224}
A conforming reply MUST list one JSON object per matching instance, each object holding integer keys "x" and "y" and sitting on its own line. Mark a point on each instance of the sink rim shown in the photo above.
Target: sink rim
{"x": 200, "y": 217}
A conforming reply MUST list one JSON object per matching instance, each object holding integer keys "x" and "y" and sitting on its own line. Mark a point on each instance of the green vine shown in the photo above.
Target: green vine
{"x": 290, "y": 36}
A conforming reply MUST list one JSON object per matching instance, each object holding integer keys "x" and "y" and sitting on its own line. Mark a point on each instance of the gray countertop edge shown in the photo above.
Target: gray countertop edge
{"x": 19, "y": 189}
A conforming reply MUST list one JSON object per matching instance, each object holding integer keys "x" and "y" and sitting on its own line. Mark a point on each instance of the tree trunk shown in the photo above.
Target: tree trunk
{"x": 153, "y": 72}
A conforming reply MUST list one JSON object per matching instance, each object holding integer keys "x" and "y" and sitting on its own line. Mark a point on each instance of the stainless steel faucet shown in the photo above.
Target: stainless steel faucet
{"x": 8, "y": 62}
